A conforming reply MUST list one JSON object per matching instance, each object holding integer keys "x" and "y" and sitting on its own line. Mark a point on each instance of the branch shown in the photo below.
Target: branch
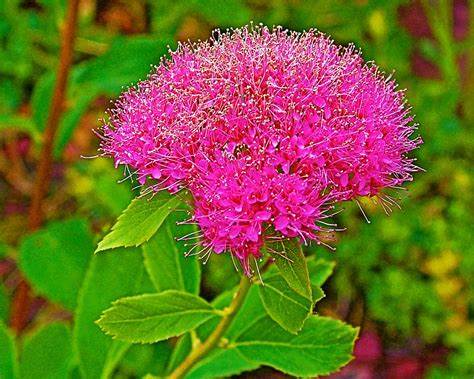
{"x": 21, "y": 302}
{"x": 201, "y": 350}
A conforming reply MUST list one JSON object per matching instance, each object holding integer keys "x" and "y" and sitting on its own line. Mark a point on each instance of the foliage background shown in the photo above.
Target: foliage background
{"x": 406, "y": 279}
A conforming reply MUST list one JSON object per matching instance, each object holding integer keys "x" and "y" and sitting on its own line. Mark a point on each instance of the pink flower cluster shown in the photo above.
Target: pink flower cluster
{"x": 265, "y": 128}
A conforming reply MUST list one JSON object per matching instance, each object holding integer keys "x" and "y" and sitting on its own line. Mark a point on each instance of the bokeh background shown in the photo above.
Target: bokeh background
{"x": 406, "y": 279}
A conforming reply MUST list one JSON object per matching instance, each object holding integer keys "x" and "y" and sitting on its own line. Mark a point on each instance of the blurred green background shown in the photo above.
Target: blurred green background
{"x": 405, "y": 279}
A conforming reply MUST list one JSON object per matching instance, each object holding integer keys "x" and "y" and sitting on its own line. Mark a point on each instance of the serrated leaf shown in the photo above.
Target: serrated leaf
{"x": 108, "y": 277}
{"x": 47, "y": 353}
{"x": 140, "y": 221}
{"x": 318, "y": 294}
{"x": 8, "y": 354}
{"x": 291, "y": 263}
{"x": 322, "y": 346}
{"x": 319, "y": 270}
{"x": 287, "y": 307}
{"x": 55, "y": 259}
{"x": 165, "y": 261}
{"x": 155, "y": 317}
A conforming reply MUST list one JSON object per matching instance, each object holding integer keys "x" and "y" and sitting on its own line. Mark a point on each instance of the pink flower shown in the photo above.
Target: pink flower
{"x": 265, "y": 128}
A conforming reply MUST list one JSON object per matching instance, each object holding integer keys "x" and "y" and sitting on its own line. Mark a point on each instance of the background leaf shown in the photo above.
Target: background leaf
{"x": 319, "y": 270}
{"x": 4, "y": 303}
{"x": 165, "y": 261}
{"x": 55, "y": 259}
{"x": 140, "y": 221}
{"x": 8, "y": 354}
{"x": 109, "y": 277}
{"x": 47, "y": 353}
{"x": 154, "y": 317}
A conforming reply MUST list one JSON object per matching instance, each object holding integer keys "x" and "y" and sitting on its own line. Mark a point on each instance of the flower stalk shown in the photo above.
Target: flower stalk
{"x": 202, "y": 349}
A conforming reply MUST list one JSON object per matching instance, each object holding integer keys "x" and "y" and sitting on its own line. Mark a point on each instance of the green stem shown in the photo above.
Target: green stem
{"x": 202, "y": 349}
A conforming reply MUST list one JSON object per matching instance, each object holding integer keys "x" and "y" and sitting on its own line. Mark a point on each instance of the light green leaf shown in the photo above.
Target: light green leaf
{"x": 319, "y": 270}
{"x": 47, "y": 353}
{"x": 165, "y": 261}
{"x": 140, "y": 221}
{"x": 222, "y": 363}
{"x": 322, "y": 346}
{"x": 55, "y": 259}
{"x": 284, "y": 305}
{"x": 155, "y": 317}
{"x": 8, "y": 354}
{"x": 109, "y": 277}
{"x": 292, "y": 265}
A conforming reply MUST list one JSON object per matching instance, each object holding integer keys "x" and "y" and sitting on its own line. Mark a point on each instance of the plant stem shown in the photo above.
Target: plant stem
{"x": 43, "y": 175}
{"x": 201, "y": 350}
{"x": 22, "y": 300}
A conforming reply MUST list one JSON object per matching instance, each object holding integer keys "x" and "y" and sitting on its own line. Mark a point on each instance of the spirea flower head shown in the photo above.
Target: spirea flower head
{"x": 264, "y": 128}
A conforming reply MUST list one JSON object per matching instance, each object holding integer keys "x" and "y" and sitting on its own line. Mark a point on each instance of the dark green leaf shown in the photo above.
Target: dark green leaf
{"x": 41, "y": 99}
{"x": 8, "y": 354}
{"x": 292, "y": 265}
{"x": 143, "y": 359}
{"x": 180, "y": 352}
{"x": 109, "y": 277}
{"x": 165, "y": 261}
{"x": 47, "y": 353}
{"x": 4, "y": 303}
{"x": 140, "y": 221}
{"x": 55, "y": 259}
{"x": 155, "y": 317}
{"x": 135, "y": 56}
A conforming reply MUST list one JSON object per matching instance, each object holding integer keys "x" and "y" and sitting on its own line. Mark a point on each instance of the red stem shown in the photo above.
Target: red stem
{"x": 22, "y": 299}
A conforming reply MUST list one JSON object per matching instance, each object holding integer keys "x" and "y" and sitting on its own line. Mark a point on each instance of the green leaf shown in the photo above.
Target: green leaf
{"x": 292, "y": 265}
{"x": 180, "y": 352}
{"x": 41, "y": 99}
{"x": 222, "y": 363}
{"x": 4, "y": 303}
{"x": 8, "y": 354}
{"x": 287, "y": 307}
{"x": 19, "y": 123}
{"x": 140, "y": 221}
{"x": 109, "y": 277}
{"x": 227, "y": 13}
{"x": 165, "y": 261}
{"x": 322, "y": 347}
{"x": 319, "y": 270}
{"x": 135, "y": 55}
{"x": 155, "y": 317}
{"x": 142, "y": 359}
{"x": 55, "y": 259}
{"x": 47, "y": 353}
